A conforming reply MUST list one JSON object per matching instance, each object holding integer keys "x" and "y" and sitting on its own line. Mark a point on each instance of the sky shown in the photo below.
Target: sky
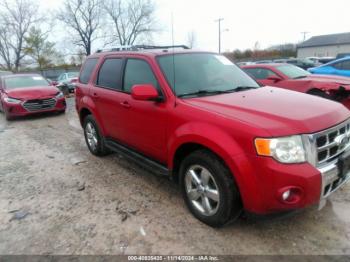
{"x": 268, "y": 22}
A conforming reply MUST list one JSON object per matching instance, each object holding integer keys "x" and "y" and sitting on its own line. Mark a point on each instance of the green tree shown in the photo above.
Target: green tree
{"x": 39, "y": 49}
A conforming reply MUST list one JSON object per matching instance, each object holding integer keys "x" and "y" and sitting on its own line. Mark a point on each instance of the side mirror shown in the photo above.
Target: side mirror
{"x": 144, "y": 92}
{"x": 53, "y": 83}
{"x": 274, "y": 78}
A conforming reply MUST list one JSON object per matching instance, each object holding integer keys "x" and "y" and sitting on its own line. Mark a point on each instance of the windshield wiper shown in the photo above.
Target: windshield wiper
{"x": 216, "y": 92}
{"x": 242, "y": 88}
{"x": 206, "y": 92}
{"x": 299, "y": 77}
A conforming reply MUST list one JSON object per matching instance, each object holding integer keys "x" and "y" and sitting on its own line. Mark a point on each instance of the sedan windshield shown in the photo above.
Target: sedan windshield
{"x": 292, "y": 71}
{"x": 24, "y": 81}
{"x": 201, "y": 74}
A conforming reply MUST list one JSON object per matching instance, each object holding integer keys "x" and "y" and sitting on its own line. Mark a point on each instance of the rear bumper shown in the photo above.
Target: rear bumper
{"x": 16, "y": 110}
{"x": 262, "y": 182}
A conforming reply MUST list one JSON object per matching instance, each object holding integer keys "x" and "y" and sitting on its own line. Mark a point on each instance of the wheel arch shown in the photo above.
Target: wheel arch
{"x": 214, "y": 140}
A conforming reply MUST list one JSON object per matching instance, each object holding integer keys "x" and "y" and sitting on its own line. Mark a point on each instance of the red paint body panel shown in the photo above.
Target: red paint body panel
{"x": 227, "y": 124}
{"x": 325, "y": 83}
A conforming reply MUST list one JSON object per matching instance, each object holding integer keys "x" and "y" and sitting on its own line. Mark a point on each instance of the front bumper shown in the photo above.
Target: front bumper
{"x": 17, "y": 110}
{"x": 331, "y": 180}
{"x": 262, "y": 181}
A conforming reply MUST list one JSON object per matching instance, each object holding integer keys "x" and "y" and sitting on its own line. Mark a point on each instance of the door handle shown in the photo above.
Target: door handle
{"x": 125, "y": 104}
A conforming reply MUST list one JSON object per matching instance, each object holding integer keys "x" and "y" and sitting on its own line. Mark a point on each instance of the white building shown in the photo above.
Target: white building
{"x": 325, "y": 46}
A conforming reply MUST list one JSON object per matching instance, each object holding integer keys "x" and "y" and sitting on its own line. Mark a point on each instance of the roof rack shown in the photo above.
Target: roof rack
{"x": 139, "y": 47}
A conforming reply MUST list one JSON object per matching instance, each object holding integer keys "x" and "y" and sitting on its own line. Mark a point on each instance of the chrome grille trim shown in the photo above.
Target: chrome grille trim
{"x": 39, "y": 104}
{"x": 322, "y": 145}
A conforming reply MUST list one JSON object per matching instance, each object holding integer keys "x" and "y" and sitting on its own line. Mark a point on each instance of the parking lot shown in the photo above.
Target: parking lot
{"x": 56, "y": 198}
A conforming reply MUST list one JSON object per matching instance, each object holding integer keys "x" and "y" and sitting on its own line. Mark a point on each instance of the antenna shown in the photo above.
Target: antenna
{"x": 172, "y": 40}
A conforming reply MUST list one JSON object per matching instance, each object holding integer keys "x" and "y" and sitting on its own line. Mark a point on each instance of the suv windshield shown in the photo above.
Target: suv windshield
{"x": 292, "y": 71}
{"x": 24, "y": 81}
{"x": 200, "y": 74}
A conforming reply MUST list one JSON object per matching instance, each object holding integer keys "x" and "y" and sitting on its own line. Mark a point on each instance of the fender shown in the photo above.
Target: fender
{"x": 88, "y": 103}
{"x": 206, "y": 135}
{"x": 226, "y": 148}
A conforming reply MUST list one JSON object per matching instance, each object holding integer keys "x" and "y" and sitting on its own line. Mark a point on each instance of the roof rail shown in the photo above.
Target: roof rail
{"x": 139, "y": 47}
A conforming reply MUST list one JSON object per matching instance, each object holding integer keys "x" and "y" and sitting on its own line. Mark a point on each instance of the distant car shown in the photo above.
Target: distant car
{"x": 263, "y": 62}
{"x": 303, "y": 63}
{"x": 5, "y": 73}
{"x": 340, "y": 67}
{"x": 26, "y": 94}
{"x": 294, "y": 78}
{"x": 342, "y": 55}
{"x": 68, "y": 80}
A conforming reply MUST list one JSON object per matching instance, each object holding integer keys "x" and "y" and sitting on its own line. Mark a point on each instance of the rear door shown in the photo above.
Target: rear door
{"x": 107, "y": 95}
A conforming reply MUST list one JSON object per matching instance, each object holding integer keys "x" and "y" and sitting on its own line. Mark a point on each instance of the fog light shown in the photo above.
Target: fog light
{"x": 286, "y": 195}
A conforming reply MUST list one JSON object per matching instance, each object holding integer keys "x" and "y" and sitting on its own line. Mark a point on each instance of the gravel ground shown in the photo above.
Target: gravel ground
{"x": 56, "y": 198}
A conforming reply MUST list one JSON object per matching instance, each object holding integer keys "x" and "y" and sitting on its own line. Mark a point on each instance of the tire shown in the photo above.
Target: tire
{"x": 226, "y": 205}
{"x": 8, "y": 117}
{"x": 93, "y": 138}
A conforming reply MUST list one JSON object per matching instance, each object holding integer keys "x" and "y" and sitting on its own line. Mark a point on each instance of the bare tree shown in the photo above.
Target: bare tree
{"x": 16, "y": 17}
{"x": 38, "y": 48}
{"x": 132, "y": 19}
{"x": 83, "y": 17}
{"x": 191, "y": 39}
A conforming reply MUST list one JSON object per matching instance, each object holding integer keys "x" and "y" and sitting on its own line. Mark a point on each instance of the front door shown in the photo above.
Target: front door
{"x": 143, "y": 123}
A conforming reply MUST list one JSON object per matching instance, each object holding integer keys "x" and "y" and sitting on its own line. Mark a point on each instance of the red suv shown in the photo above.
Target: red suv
{"x": 198, "y": 118}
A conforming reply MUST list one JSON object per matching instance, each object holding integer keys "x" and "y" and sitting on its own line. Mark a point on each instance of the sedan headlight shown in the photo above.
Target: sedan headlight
{"x": 60, "y": 95}
{"x": 12, "y": 100}
{"x": 284, "y": 149}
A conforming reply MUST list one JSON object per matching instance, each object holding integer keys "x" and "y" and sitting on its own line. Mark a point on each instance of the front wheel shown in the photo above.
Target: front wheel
{"x": 93, "y": 137}
{"x": 209, "y": 189}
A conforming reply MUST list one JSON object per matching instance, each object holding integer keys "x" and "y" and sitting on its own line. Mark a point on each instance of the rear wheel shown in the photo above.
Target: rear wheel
{"x": 209, "y": 190}
{"x": 93, "y": 137}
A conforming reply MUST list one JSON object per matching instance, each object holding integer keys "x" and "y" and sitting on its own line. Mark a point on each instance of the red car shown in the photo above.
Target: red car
{"x": 199, "y": 119}
{"x": 26, "y": 94}
{"x": 297, "y": 79}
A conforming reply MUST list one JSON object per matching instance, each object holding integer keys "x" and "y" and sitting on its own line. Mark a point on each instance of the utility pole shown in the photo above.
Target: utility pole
{"x": 304, "y": 35}
{"x": 219, "y": 22}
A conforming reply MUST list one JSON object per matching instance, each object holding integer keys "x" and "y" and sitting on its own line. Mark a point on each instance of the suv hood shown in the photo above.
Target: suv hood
{"x": 37, "y": 92}
{"x": 280, "y": 112}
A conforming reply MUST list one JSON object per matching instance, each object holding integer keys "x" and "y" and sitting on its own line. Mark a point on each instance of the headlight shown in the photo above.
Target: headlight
{"x": 284, "y": 149}
{"x": 12, "y": 100}
{"x": 60, "y": 95}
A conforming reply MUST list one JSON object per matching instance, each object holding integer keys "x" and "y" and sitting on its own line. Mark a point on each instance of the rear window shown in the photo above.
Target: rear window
{"x": 87, "y": 70}
{"x": 25, "y": 81}
{"x": 109, "y": 75}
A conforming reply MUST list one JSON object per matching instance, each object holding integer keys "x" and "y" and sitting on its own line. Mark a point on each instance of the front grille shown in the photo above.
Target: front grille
{"x": 39, "y": 104}
{"x": 331, "y": 142}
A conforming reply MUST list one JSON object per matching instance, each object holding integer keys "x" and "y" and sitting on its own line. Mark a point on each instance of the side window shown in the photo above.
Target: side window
{"x": 87, "y": 70}
{"x": 338, "y": 65}
{"x": 346, "y": 65}
{"x": 109, "y": 74}
{"x": 260, "y": 73}
{"x": 138, "y": 72}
